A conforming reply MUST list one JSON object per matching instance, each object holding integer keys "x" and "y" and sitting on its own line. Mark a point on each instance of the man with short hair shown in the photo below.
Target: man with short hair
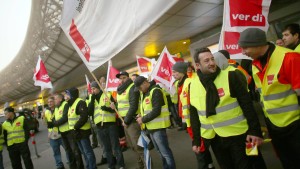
{"x": 291, "y": 37}
{"x": 61, "y": 121}
{"x": 105, "y": 120}
{"x": 80, "y": 126}
{"x": 179, "y": 72}
{"x": 54, "y": 136}
{"x": 277, "y": 79}
{"x": 155, "y": 118}
{"x": 221, "y": 107}
{"x": 128, "y": 108}
{"x": 16, "y": 135}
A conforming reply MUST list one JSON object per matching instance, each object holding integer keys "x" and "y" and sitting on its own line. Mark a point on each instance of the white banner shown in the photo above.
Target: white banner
{"x": 100, "y": 29}
{"x": 239, "y": 15}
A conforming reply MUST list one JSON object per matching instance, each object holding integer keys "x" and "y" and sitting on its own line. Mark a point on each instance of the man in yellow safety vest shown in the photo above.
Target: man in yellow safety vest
{"x": 277, "y": 79}
{"x": 221, "y": 109}
{"x": 16, "y": 134}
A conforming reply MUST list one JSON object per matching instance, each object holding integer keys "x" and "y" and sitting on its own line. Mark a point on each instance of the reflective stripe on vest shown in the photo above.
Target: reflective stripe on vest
{"x": 280, "y": 102}
{"x": 221, "y": 109}
{"x": 163, "y": 120}
{"x": 101, "y": 115}
{"x": 73, "y": 117}
{"x": 15, "y": 131}
{"x": 229, "y": 120}
{"x": 49, "y": 116}
{"x": 123, "y": 101}
{"x": 58, "y": 114}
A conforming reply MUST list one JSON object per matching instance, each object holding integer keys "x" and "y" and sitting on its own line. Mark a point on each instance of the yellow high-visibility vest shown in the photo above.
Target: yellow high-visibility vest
{"x": 101, "y": 115}
{"x": 161, "y": 121}
{"x": 174, "y": 97}
{"x": 1, "y": 139}
{"x": 184, "y": 98}
{"x": 15, "y": 131}
{"x": 49, "y": 116}
{"x": 58, "y": 113}
{"x": 123, "y": 102}
{"x": 229, "y": 119}
{"x": 73, "y": 117}
{"x": 280, "y": 102}
{"x": 297, "y": 49}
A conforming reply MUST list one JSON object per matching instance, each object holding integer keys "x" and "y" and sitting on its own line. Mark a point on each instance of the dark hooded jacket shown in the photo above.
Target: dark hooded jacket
{"x": 82, "y": 111}
{"x": 133, "y": 101}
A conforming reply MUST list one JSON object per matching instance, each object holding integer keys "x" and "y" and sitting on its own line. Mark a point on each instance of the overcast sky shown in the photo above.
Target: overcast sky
{"x": 14, "y": 15}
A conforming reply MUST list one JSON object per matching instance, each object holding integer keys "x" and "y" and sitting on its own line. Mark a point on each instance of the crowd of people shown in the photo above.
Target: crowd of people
{"x": 215, "y": 101}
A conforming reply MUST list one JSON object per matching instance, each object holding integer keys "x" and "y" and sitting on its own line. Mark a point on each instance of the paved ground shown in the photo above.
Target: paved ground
{"x": 179, "y": 141}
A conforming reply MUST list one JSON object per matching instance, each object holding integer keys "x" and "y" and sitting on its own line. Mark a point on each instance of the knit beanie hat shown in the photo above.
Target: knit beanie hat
{"x": 252, "y": 37}
{"x": 95, "y": 85}
{"x": 180, "y": 67}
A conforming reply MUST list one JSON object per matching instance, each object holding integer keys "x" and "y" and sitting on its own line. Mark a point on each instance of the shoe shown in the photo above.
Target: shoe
{"x": 103, "y": 161}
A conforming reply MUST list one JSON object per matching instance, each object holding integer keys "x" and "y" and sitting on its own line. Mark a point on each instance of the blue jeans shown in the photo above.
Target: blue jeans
{"x": 110, "y": 139}
{"x": 1, "y": 160}
{"x": 161, "y": 144}
{"x": 88, "y": 153}
{"x": 55, "y": 144}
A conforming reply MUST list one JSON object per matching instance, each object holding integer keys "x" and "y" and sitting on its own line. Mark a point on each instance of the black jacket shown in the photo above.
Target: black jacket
{"x": 157, "y": 102}
{"x": 238, "y": 90}
{"x": 133, "y": 101}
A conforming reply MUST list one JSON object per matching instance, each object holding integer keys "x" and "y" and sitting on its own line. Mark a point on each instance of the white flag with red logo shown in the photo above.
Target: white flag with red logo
{"x": 145, "y": 65}
{"x": 112, "y": 82}
{"x": 100, "y": 29}
{"x": 239, "y": 15}
{"x": 41, "y": 77}
{"x": 162, "y": 72}
{"x": 88, "y": 84}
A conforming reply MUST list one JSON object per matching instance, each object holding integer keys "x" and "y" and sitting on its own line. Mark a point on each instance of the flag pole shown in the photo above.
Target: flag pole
{"x": 106, "y": 95}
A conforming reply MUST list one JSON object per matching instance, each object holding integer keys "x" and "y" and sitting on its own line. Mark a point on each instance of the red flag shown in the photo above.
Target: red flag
{"x": 88, "y": 85}
{"x": 112, "y": 82}
{"x": 41, "y": 77}
{"x": 162, "y": 71}
{"x": 145, "y": 65}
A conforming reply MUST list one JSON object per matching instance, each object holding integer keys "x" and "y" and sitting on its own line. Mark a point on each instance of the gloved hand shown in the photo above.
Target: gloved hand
{"x": 104, "y": 108}
{"x": 50, "y": 125}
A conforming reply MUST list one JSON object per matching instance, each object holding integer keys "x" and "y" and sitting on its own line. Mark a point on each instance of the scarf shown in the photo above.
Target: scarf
{"x": 124, "y": 86}
{"x": 212, "y": 96}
